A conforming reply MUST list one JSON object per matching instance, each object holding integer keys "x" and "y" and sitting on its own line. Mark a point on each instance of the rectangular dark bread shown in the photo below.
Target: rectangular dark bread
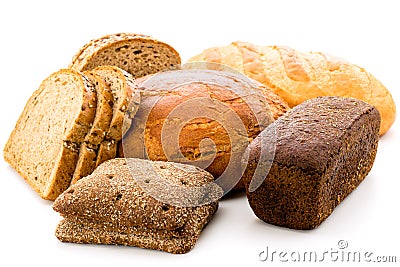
{"x": 111, "y": 206}
{"x": 325, "y": 147}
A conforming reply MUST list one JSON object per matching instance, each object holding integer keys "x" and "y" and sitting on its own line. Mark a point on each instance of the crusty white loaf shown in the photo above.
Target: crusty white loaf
{"x": 297, "y": 76}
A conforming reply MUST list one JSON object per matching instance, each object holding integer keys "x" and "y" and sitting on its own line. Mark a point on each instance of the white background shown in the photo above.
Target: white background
{"x": 38, "y": 38}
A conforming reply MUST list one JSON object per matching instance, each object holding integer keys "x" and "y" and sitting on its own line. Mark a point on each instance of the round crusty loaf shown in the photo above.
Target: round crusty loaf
{"x": 177, "y": 118}
{"x": 297, "y": 76}
{"x": 137, "y": 54}
{"x": 44, "y": 145}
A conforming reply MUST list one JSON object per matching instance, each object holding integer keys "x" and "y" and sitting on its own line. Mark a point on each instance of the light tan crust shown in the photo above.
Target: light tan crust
{"x": 297, "y": 76}
{"x": 49, "y": 174}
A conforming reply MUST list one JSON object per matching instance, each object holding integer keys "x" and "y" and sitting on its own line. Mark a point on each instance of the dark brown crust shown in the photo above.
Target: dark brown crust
{"x": 325, "y": 147}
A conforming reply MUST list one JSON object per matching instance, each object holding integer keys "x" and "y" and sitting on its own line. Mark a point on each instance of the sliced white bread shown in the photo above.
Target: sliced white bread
{"x": 138, "y": 54}
{"x": 43, "y": 147}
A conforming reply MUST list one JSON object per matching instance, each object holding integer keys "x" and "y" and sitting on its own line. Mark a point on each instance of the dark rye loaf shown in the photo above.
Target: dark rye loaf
{"x": 43, "y": 147}
{"x": 111, "y": 207}
{"x": 137, "y": 54}
{"x": 325, "y": 148}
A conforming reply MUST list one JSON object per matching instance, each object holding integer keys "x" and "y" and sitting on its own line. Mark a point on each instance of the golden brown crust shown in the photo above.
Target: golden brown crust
{"x": 153, "y": 118}
{"x": 297, "y": 76}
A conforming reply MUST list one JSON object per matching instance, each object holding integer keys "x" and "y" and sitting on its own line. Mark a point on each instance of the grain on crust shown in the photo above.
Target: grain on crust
{"x": 325, "y": 147}
{"x": 110, "y": 207}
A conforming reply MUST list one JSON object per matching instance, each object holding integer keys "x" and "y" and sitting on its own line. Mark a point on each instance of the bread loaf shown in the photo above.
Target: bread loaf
{"x": 324, "y": 149}
{"x": 137, "y": 54}
{"x": 111, "y": 206}
{"x": 181, "y": 111}
{"x": 297, "y": 76}
{"x": 43, "y": 147}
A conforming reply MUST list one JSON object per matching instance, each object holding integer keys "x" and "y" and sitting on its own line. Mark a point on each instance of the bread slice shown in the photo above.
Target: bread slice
{"x": 126, "y": 102}
{"x": 43, "y": 147}
{"x": 101, "y": 124}
{"x": 111, "y": 206}
{"x": 138, "y": 54}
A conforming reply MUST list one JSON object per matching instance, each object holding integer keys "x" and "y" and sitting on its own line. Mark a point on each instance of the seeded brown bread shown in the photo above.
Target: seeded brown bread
{"x": 325, "y": 147}
{"x": 138, "y": 54}
{"x": 167, "y": 92}
{"x": 297, "y": 76}
{"x": 126, "y": 101}
{"x": 43, "y": 147}
{"x": 110, "y": 206}
{"x": 101, "y": 124}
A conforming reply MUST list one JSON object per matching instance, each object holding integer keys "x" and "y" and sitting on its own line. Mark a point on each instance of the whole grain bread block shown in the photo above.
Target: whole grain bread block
{"x": 298, "y": 76}
{"x": 100, "y": 126}
{"x": 137, "y": 54}
{"x": 43, "y": 147}
{"x": 325, "y": 147}
{"x": 114, "y": 206}
{"x": 181, "y": 109}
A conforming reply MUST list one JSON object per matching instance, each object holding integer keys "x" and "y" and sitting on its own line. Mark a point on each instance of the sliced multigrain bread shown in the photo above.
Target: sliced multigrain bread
{"x": 101, "y": 124}
{"x": 138, "y": 54}
{"x": 43, "y": 147}
{"x": 111, "y": 206}
{"x": 126, "y": 103}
